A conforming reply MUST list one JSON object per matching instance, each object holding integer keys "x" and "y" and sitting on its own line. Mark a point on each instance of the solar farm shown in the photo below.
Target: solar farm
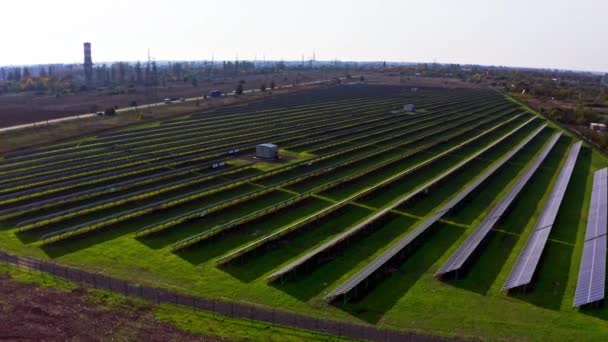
{"x": 471, "y": 216}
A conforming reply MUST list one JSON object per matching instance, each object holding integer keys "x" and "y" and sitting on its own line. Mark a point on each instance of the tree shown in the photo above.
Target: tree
{"x": 17, "y": 74}
{"x": 154, "y": 74}
{"x": 148, "y": 74}
{"x": 272, "y": 85}
{"x": 122, "y": 72}
{"x": 585, "y": 115}
{"x": 239, "y": 89}
{"x": 263, "y": 87}
{"x": 138, "y": 73}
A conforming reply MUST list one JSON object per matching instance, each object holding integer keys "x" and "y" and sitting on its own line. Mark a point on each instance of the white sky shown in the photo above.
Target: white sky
{"x": 536, "y": 33}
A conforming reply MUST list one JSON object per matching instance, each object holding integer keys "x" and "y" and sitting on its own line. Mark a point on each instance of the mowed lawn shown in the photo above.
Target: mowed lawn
{"x": 411, "y": 298}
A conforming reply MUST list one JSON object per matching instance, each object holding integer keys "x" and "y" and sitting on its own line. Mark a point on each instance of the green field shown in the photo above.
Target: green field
{"x": 355, "y": 140}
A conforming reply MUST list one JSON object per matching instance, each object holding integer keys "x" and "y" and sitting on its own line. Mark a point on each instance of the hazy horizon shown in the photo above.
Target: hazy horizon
{"x": 546, "y": 34}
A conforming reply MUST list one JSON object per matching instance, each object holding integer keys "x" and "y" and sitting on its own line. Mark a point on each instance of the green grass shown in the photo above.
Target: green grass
{"x": 410, "y": 298}
{"x": 186, "y": 319}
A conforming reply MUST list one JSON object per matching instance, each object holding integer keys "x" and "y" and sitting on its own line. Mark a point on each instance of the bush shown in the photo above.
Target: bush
{"x": 110, "y": 111}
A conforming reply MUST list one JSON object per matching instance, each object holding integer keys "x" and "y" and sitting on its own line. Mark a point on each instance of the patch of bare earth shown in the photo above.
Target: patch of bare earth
{"x": 30, "y": 313}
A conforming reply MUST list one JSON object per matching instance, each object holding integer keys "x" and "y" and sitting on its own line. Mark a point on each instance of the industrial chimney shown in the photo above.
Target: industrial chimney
{"x": 88, "y": 64}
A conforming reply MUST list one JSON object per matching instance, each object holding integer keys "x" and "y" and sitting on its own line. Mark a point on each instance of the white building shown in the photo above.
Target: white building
{"x": 597, "y": 127}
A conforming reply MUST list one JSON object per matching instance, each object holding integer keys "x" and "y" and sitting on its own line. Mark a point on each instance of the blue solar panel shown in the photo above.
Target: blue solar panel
{"x": 596, "y": 221}
{"x": 592, "y": 273}
{"x": 526, "y": 263}
{"x": 464, "y": 252}
{"x": 377, "y": 263}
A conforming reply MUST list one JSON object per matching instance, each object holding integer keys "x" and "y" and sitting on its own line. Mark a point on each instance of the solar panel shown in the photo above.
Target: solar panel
{"x": 376, "y": 264}
{"x": 526, "y": 263}
{"x": 464, "y": 252}
{"x": 341, "y": 237}
{"x": 235, "y": 254}
{"x": 592, "y": 274}
{"x": 596, "y": 221}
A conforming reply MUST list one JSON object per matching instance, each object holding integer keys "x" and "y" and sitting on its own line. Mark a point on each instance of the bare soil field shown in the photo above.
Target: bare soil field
{"x": 31, "y": 313}
{"x": 388, "y": 77}
{"x": 22, "y": 108}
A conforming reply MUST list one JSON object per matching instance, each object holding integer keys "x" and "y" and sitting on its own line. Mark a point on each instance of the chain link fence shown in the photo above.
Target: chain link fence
{"x": 226, "y": 308}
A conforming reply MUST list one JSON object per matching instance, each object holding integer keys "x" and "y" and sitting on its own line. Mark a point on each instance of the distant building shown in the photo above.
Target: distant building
{"x": 88, "y": 64}
{"x": 409, "y": 107}
{"x": 599, "y": 127}
{"x": 214, "y": 93}
{"x": 267, "y": 151}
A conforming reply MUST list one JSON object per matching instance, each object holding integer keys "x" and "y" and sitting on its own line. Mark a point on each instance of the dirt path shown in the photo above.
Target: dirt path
{"x": 30, "y": 313}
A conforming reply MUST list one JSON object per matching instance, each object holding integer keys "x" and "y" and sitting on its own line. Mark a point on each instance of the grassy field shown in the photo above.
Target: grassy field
{"x": 411, "y": 298}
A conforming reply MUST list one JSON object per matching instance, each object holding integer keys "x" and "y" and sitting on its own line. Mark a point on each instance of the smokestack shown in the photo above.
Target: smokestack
{"x": 88, "y": 64}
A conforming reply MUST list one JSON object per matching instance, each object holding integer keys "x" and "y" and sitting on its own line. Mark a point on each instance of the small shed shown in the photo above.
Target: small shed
{"x": 599, "y": 127}
{"x": 267, "y": 151}
{"x": 409, "y": 107}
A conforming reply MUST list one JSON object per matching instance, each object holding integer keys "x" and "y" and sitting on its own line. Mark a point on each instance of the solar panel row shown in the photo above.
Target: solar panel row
{"x": 592, "y": 274}
{"x": 464, "y": 252}
{"x": 528, "y": 260}
{"x": 380, "y": 261}
{"x": 296, "y": 225}
{"x": 341, "y": 237}
{"x": 596, "y": 221}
